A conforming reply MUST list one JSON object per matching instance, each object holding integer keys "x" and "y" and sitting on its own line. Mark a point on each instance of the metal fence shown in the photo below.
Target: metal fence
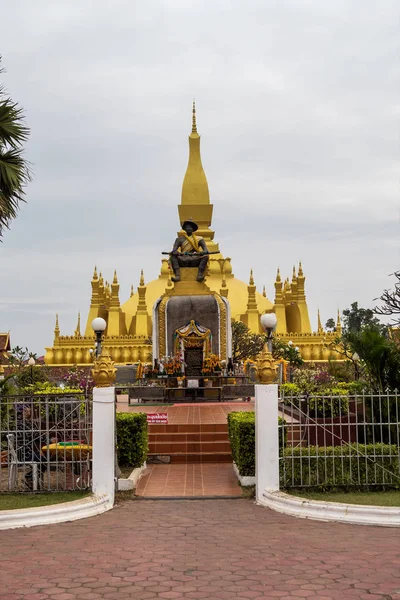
{"x": 340, "y": 441}
{"x": 46, "y": 442}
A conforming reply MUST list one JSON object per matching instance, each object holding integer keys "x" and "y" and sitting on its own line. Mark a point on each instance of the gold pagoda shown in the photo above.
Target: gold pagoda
{"x": 129, "y": 326}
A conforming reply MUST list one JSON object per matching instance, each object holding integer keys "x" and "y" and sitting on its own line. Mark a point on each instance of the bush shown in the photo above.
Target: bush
{"x": 132, "y": 439}
{"x": 327, "y": 468}
{"x": 290, "y": 389}
{"x": 241, "y": 428}
{"x": 333, "y": 404}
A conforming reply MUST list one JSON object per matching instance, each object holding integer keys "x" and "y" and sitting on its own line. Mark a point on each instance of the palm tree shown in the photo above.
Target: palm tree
{"x": 14, "y": 169}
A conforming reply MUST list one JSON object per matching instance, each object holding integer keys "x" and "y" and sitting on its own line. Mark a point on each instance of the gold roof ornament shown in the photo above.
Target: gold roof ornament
{"x": 95, "y": 276}
{"x": 141, "y": 277}
{"x": 266, "y": 367}
{"x": 115, "y": 280}
{"x": 251, "y": 281}
{"x": 264, "y": 293}
{"x": 194, "y": 124}
{"x": 320, "y": 328}
{"x": 57, "y": 328}
{"x": 77, "y": 332}
{"x": 103, "y": 371}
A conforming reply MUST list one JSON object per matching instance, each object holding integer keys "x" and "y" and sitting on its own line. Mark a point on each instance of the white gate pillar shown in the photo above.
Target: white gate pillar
{"x": 103, "y": 456}
{"x": 267, "y": 439}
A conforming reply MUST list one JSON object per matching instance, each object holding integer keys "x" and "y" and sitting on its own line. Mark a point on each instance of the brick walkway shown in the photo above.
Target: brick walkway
{"x": 201, "y": 549}
{"x": 190, "y": 480}
{"x": 206, "y": 413}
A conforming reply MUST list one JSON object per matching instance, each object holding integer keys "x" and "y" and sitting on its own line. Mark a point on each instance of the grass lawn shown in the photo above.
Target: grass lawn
{"x": 389, "y": 498}
{"x": 10, "y": 501}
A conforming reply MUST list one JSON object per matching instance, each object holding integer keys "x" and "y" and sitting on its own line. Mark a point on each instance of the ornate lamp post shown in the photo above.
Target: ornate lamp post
{"x": 356, "y": 360}
{"x": 31, "y": 363}
{"x": 265, "y": 364}
{"x": 99, "y": 326}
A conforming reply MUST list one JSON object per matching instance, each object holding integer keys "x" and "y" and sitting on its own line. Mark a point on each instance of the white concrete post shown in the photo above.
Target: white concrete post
{"x": 103, "y": 480}
{"x": 267, "y": 439}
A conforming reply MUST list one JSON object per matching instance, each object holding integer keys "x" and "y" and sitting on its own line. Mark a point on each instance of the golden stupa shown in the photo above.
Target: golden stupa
{"x": 129, "y": 326}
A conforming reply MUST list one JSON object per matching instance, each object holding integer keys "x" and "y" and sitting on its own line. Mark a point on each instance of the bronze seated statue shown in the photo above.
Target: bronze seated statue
{"x": 189, "y": 251}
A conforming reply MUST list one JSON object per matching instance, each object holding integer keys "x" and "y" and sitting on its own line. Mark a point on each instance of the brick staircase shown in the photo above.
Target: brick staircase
{"x": 190, "y": 443}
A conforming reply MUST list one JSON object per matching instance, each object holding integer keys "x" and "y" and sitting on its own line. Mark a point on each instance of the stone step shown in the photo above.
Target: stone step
{"x": 217, "y": 436}
{"x": 189, "y": 428}
{"x": 197, "y": 457}
{"x": 169, "y": 448}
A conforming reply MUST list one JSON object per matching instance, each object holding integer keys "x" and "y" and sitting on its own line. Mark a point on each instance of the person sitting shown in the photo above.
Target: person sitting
{"x": 189, "y": 251}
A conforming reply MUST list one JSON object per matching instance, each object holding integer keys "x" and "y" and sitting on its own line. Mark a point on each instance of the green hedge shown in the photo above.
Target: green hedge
{"x": 341, "y": 467}
{"x": 241, "y": 427}
{"x": 132, "y": 439}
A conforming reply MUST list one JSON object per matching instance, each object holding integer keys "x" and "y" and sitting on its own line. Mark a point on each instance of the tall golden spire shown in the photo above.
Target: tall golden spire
{"x": 264, "y": 293}
{"x": 132, "y": 291}
{"x": 338, "y": 323}
{"x": 77, "y": 332}
{"x": 320, "y": 328}
{"x": 141, "y": 277}
{"x": 194, "y": 124}
{"x": 57, "y": 328}
{"x": 251, "y": 280}
{"x": 195, "y": 200}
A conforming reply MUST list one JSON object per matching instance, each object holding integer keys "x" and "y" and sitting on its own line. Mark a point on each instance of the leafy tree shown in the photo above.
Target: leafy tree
{"x": 356, "y": 319}
{"x": 379, "y": 356}
{"x": 330, "y": 325}
{"x": 14, "y": 169}
{"x": 390, "y": 302}
{"x": 245, "y": 344}
{"x": 286, "y": 351}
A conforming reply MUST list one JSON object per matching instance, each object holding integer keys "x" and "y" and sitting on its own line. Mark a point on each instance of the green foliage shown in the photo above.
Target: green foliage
{"x": 357, "y": 319}
{"x": 245, "y": 344}
{"x": 132, "y": 439}
{"x": 391, "y": 302}
{"x": 330, "y": 325}
{"x": 380, "y": 358}
{"x": 241, "y": 428}
{"x": 290, "y": 389}
{"x": 328, "y": 468}
{"x": 14, "y": 170}
{"x": 288, "y": 352}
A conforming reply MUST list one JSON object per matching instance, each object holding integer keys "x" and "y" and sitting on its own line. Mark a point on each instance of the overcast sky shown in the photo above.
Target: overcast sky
{"x": 298, "y": 108}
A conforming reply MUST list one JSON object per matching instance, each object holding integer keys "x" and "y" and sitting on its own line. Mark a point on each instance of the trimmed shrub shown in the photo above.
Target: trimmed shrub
{"x": 341, "y": 467}
{"x": 241, "y": 428}
{"x": 132, "y": 439}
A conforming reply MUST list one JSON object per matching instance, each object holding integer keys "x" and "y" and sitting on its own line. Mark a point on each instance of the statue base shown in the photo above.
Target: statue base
{"x": 188, "y": 285}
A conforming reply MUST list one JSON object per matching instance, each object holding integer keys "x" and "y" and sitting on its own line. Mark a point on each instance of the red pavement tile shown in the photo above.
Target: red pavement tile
{"x": 189, "y": 480}
{"x": 199, "y": 549}
{"x": 179, "y": 414}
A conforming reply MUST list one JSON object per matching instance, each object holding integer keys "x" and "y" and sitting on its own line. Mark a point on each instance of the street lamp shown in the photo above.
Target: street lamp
{"x": 356, "y": 359}
{"x": 99, "y": 326}
{"x": 269, "y": 322}
{"x": 31, "y": 363}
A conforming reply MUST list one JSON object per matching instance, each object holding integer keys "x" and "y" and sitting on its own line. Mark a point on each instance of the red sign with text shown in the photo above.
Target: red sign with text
{"x": 161, "y": 418}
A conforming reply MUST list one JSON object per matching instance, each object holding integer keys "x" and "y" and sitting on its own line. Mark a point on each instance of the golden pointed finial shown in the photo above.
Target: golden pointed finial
{"x": 300, "y": 270}
{"x": 264, "y": 293}
{"x": 294, "y": 273}
{"x": 95, "y": 276}
{"x": 56, "y": 328}
{"x": 278, "y": 275}
{"x": 115, "y": 280}
{"x": 251, "y": 281}
{"x": 141, "y": 277}
{"x": 194, "y": 124}
{"x": 319, "y": 322}
{"x": 78, "y": 325}
{"x": 132, "y": 292}
{"x": 101, "y": 280}
{"x": 338, "y": 322}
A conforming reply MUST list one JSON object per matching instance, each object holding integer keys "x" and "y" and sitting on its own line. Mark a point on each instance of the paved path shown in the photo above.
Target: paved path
{"x": 212, "y": 412}
{"x": 200, "y": 549}
{"x": 190, "y": 480}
